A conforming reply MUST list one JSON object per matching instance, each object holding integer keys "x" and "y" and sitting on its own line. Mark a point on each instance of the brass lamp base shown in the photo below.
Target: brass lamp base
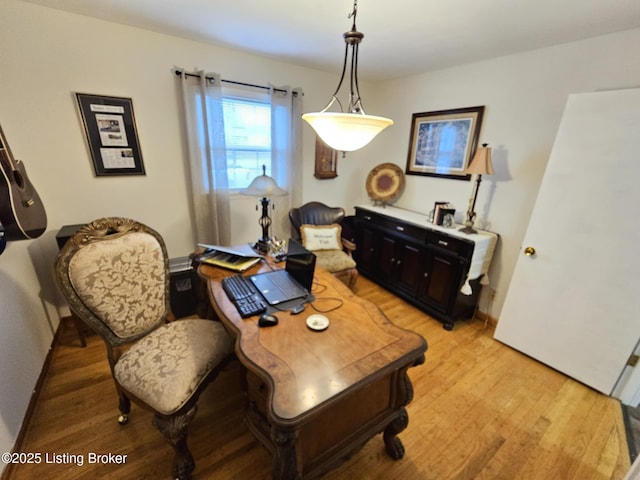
{"x": 468, "y": 229}
{"x": 261, "y": 246}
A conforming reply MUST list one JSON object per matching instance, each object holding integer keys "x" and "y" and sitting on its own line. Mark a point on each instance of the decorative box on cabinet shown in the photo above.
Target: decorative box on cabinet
{"x": 436, "y": 269}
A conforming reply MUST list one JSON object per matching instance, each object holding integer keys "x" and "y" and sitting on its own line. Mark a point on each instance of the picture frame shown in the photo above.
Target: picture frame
{"x": 326, "y": 165}
{"x": 443, "y": 142}
{"x": 110, "y": 129}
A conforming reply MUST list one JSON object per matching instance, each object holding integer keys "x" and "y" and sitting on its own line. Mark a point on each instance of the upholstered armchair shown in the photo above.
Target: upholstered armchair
{"x": 114, "y": 273}
{"x": 320, "y": 229}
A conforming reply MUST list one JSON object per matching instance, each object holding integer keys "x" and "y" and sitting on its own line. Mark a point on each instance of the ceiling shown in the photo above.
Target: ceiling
{"x": 402, "y": 37}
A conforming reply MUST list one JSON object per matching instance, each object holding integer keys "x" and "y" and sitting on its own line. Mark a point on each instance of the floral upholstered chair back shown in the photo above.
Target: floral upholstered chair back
{"x": 114, "y": 273}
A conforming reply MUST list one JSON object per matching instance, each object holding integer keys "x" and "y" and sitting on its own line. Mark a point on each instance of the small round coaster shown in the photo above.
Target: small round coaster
{"x": 317, "y": 322}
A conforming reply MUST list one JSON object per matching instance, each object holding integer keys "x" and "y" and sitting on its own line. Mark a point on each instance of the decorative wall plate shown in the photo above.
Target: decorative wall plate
{"x": 385, "y": 182}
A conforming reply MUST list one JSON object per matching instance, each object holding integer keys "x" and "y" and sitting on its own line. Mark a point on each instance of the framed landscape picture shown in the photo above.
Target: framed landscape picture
{"x": 442, "y": 143}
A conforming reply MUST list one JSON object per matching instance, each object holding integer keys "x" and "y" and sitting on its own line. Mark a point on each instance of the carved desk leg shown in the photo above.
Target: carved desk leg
{"x": 285, "y": 465}
{"x": 393, "y": 445}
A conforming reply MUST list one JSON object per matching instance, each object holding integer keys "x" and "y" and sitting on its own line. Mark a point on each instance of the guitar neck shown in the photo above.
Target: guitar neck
{"x": 6, "y": 151}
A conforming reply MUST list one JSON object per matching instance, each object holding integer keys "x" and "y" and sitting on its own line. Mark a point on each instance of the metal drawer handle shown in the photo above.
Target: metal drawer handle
{"x": 399, "y": 228}
{"x": 442, "y": 242}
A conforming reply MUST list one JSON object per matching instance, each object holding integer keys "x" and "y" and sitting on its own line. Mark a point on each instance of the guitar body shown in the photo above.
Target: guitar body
{"x": 21, "y": 211}
{"x": 3, "y": 238}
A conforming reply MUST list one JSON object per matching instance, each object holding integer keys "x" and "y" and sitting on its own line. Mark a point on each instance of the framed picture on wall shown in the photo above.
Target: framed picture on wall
{"x": 442, "y": 143}
{"x": 326, "y": 161}
{"x": 112, "y": 137}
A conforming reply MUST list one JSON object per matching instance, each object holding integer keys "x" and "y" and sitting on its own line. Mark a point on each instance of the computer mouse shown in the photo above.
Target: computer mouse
{"x": 267, "y": 320}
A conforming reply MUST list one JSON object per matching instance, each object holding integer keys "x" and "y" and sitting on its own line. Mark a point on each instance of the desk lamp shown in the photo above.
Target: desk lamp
{"x": 480, "y": 165}
{"x": 263, "y": 186}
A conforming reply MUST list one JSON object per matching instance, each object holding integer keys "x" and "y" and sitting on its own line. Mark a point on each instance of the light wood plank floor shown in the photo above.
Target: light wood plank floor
{"x": 481, "y": 411}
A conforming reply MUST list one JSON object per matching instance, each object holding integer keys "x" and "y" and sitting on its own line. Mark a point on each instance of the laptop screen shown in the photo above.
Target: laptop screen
{"x": 301, "y": 263}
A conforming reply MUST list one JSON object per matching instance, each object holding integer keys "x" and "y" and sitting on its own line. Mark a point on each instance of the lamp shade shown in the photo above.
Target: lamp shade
{"x": 346, "y": 131}
{"x": 263, "y": 186}
{"x": 481, "y": 163}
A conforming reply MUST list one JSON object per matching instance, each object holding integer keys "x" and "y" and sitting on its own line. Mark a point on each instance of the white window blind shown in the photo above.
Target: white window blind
{"x": 247, "y": 129}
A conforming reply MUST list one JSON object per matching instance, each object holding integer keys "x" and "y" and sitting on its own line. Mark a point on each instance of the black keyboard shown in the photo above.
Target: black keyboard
{"x": 244, "y": 295}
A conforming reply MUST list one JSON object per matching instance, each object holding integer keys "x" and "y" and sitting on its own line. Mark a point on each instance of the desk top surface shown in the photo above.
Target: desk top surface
{"x": 308, "y": 369}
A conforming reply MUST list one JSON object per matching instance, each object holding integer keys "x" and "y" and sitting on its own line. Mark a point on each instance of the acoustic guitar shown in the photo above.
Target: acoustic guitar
{"x": 3, "y": 238}
{"x": 21, "y": 211}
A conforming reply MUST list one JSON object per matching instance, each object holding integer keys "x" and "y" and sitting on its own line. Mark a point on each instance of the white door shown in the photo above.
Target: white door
{"x": 575, "y": 304}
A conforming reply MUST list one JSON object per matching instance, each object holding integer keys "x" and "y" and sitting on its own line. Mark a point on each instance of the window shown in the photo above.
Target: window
{"x": 247, "y": 132}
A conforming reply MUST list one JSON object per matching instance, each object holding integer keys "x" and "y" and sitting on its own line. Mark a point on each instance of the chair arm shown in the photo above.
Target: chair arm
{"x": 348, "y": 245}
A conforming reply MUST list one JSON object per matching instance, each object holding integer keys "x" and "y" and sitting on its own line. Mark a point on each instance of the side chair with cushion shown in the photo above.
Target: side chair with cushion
{"x": 114, "y": 273}
{"x": 319, "y": 228}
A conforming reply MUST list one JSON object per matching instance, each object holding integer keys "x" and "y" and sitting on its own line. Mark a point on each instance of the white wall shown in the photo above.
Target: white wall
{"x": 46, "y": 55}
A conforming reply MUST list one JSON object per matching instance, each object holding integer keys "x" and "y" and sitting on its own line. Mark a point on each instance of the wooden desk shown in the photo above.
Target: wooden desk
{"x": 314, "y": 398}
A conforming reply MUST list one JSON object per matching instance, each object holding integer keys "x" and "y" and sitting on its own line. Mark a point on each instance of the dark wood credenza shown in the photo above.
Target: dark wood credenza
{"x": 437, "y": 269}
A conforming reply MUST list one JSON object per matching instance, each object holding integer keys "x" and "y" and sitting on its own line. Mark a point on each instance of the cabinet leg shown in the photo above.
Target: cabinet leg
{"x": 448, "y": 326}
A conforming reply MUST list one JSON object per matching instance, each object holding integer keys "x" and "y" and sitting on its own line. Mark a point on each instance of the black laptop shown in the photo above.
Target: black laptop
{"x": 291, "y": 283}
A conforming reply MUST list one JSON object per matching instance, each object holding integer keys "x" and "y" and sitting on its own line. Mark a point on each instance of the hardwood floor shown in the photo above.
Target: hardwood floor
{"x": 481, "y": 411}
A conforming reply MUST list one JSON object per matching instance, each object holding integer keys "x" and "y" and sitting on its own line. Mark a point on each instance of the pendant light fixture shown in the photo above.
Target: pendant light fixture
{"x": 351, "y": 129}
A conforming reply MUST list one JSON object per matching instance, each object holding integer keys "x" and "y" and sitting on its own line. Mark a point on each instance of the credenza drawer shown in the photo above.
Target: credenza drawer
{"x": 392, "y": 225}
{"x": 405, "y": 230}
{"x": 456, "y": 245}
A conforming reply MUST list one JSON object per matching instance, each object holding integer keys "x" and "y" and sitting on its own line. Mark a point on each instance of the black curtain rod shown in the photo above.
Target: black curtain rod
{"x": 180, "y": 72}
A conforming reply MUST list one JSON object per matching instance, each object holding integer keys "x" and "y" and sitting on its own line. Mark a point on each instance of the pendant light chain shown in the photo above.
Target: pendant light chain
{"x": 354, "y": 38}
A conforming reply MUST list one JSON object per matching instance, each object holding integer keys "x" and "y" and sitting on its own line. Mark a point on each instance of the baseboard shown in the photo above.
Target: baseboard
{"x": 488, "y": 319}
{"x": 33, "y": 401}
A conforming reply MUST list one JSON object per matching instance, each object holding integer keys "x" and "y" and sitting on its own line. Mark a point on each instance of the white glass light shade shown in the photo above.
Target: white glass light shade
{"x": 346, "y": 132}
{"x": 263, "y": 186}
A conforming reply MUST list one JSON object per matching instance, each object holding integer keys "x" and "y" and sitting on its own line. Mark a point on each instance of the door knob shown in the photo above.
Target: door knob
{"x": 529, "y": 251}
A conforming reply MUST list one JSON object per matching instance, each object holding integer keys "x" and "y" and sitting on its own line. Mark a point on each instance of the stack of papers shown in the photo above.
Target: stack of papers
{"x": 229, "y": 258}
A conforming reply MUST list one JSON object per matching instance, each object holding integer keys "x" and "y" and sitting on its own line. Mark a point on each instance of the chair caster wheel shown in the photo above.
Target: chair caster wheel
{"x": 123, "y": 419}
